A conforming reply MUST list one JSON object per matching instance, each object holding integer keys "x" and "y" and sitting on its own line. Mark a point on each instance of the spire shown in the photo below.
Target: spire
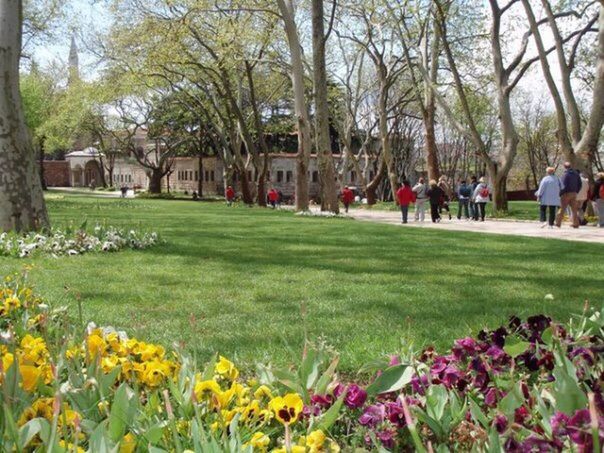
{"x": 74, "y": 64}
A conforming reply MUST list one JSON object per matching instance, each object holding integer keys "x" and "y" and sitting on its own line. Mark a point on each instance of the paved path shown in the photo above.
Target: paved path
{"x": 528, "y": 229}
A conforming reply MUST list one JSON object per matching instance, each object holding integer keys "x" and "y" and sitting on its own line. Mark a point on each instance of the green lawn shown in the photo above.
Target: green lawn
{"x": 234, "y": 280}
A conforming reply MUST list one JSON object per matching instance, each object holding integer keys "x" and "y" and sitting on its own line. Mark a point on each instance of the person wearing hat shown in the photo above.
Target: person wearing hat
{"x": 481, "y": 198}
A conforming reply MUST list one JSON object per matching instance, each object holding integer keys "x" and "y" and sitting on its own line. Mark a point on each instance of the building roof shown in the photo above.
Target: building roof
{"x": 86, "y": 152}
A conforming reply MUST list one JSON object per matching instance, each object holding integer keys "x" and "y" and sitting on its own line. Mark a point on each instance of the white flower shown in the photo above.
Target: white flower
{"x": 549, "y": 297}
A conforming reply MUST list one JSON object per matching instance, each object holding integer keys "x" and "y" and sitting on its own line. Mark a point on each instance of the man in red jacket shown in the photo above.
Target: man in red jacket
{"x": 347, "y": 197}
{"x": 273, "y": 197}
{"x": 405, "y": 196}
{"x": 229, "y": 194}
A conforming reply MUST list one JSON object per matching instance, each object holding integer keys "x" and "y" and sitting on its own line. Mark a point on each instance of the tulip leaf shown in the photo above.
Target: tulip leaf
{"x": 122, "y": 412}
{"x": 436, "y": 400}
{"x": 569, "y": 396}
{"x": 309, "y": 371}
{"x": 325, "y": 379}
{"x": 477, "y": 414}
{"x": 547, "y": 336}
{"x": 36, "y": 426}
{"x": 514, "y": 346}
{"x": 331, "y": 415}
{"x": 512, "y": 401}
{"x": 391, "y": 380}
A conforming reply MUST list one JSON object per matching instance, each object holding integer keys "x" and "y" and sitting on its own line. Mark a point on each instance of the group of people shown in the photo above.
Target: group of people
{"x": 273, "y": 196}
{"x": 571, "y": 193}
{"x": 473, "y": 199}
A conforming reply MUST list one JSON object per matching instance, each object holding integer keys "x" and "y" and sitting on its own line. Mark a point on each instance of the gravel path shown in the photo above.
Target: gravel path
{"x": 528, "y": 229}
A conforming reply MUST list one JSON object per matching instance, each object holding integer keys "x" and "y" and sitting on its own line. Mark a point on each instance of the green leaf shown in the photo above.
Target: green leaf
{"x": 122, "y": 412}
{"x": 331, "y": 415}
{"x": 391, "y": 380}
{"x": 477, "y": 414}
{"x": 515, "y": 346}
{"x": 569, "y": 396}
{"x": 436, "y": 400}
{"x": 326, "y": 377}
{"x": 547, "y": 336}
{"x": 36, "y": 426}
{"x": 512, "y": 401}
{"x": 309, "y": 371}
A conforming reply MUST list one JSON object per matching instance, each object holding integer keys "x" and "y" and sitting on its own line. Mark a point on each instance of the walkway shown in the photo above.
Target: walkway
{"x": 518, "y": 228}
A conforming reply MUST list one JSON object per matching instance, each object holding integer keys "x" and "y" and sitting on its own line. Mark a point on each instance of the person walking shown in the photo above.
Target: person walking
{"x": 447, "y": 195}
{"x": 404, "y": 196}
{"x": 435, "y": 193}
{"x": 548, "y": 196}
{"x": 582, "y": 197}
{"x": 421, "y": 195}
{"x": 273, "y": 197}
{"x": 481, "y": 198}
{"x": 229, "y": 195}
{"x": 571, "y": 186}
{"x": 347, "y": 197}
{"x": 464, "y": 193}
{"x": 598, "y": 198}
{"x": 472, "y": 203}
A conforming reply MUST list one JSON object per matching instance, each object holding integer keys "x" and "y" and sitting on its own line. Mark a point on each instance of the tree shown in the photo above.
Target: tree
{"x": 327, "y": 174}
{"x": 22, "y": 204}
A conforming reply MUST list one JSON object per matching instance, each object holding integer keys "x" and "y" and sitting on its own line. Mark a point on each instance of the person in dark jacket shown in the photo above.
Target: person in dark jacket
{"x": 571, "y": 185}
{"x": 435, "y": 194}
{"x": 472, "y": 204}
{"x": 464, "y": 194}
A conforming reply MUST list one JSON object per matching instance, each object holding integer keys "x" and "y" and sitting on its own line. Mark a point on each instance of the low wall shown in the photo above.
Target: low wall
{"x": 56, "y": 173}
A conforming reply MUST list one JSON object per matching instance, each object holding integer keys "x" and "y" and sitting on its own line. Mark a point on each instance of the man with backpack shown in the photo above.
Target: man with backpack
{"x": 464, "y": 193}
{"x": 571, "y": 186}
{"x": 598, "y": 198}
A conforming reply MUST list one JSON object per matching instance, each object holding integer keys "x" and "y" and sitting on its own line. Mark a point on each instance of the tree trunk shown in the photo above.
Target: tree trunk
{"x": 375, "y": 183}
{"x": 286, "y": 9}
{"x": 327, "y": 171}
{"x": 155, "y": 180}
{"x": 22, "y": 205}
{"x": 500, "y": 199}
{"x": 430, "y": 142}
{"x": 200, "y": 173}
{"x": 384, "y": 135}
{"x": 246, "y": 193}
{"x": 41, "y": 163}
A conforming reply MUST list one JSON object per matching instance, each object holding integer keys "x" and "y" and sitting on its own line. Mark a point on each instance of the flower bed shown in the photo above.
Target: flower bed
{"x": 529, "y": 386}
{"x": 74, "y": 241}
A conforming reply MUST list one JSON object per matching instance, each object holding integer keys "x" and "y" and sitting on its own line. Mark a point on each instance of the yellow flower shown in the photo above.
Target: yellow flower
{"x": 109, "y": 363}
{"x": 11, "y": 303}
{"x": 315, "y": 440}
{"x": 96, "y": 345}
{"x": 287, "y": 408}
{"x": 68, "y": 446}
{"x": 30, "y": 376}
{"x": 205, "y": 389}
{"x": 226, "y": 369}
{"x": 128, "y": 444}
{"x": 294, "y": 449}
{"x": 155, "y": 373}
{"x": 41, "y": 408}
{"x": 262, "y": 391}
{"x": 259, "y": 441}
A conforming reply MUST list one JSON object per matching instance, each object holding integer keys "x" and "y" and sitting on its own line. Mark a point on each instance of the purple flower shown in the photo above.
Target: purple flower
{"x": 491, "y": 397}
{"x": 537, "y": 445}
{"x": 373, "y": 415}
{"x": 584, "y": 354}
{"x": 463, "y": 347}
{"x": 500, "y": 423}
{"x": 386, "y": 437}
{"x": 496, "y": 353}
{"x": 450, "y": 376}
{"x": 521, "y": 415}
{"x": 395, "y": 414}
{"x": 355, "y": 395}
{"x": 579, "y": 431}
{"x": 419, "y": 385}
{"x": 394, "y": 360}
{"x": 559, "y": 421}
{"x": 322, "y": 401}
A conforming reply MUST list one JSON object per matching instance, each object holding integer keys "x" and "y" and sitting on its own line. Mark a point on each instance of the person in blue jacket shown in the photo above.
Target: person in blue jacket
{"x": 548, "y": 196}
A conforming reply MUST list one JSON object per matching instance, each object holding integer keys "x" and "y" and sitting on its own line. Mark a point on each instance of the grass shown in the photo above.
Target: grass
{"x": 517, "y": 210}
{"x": 234, "y": 280}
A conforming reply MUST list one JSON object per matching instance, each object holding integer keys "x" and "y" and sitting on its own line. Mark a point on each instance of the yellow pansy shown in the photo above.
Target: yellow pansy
{"x": 30, "y": 376}
{"x": 70, "y": 447}
{"x": 263, "y": 391}
{"x": 287, "y": 409}
{"x": 294, "y": 449}
{"x": 205, "y": 389}
{"x": 41, "y": 408}
{"x": 128, "y": 444}
{"x": 155, "y": 373}
{"x": 259, "y": 441}
{"x": 96, "y": 345}
{"x": 109, "y": 363}
{"x": 226, "y": 369}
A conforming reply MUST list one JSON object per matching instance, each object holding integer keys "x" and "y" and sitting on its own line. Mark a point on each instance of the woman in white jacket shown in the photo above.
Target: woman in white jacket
{"x": 481, "y": 197}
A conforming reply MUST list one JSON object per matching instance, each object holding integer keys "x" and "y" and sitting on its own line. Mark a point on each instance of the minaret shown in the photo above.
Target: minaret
{"x": 74, "y": 63}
